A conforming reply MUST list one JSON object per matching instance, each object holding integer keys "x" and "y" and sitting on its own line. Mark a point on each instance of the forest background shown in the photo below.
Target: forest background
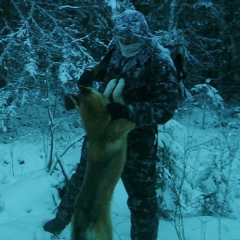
{"x": 44, "y": 48}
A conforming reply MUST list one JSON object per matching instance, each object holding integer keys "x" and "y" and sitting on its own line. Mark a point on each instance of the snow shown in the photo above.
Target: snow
{"x": 29, "y": 196}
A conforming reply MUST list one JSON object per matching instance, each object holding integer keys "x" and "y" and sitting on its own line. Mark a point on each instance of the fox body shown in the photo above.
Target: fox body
{"x": 107, "y": 143}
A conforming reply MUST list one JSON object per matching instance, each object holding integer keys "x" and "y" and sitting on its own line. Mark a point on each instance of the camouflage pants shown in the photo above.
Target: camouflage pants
{"x": 139, "y": 178}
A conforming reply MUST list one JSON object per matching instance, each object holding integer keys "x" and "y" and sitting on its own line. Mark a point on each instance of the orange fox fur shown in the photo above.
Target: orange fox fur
{"x": 107, "y": 143}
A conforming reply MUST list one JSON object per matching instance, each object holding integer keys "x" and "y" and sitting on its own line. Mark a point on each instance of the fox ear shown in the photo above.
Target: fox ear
{"x": 84, "y": 90}
{"x": 73, "y": 100}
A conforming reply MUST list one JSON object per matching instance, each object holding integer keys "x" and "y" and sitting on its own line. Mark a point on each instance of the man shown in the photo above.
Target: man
{"x": 151, "y": 95}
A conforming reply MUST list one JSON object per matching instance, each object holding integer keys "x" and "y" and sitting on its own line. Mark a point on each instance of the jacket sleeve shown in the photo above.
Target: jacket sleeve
{"x": 161, "y": 96}
{"x": 100, "y": 68}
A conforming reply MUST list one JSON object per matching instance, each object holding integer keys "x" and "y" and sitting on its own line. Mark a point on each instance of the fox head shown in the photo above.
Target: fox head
{"x": 92, "y": 108}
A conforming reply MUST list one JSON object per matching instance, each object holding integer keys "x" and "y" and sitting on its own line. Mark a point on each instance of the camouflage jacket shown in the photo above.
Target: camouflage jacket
{"x": 151, "y": 88}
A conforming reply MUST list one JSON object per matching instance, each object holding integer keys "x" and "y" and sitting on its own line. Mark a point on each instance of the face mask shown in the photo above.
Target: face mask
{"x": 130, "y": 50}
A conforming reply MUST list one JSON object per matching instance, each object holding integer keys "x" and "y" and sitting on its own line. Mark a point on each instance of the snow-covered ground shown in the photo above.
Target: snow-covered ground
{"x": 28, "y": 193}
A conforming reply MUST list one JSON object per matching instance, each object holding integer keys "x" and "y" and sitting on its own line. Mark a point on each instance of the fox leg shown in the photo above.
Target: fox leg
{"x": 117, "y": 93}
{"x": 109, "y": 89}
{"x": 115, "y": 87}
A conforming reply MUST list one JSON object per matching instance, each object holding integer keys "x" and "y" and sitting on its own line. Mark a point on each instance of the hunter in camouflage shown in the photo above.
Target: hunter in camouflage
{"x": 151, "y": 95}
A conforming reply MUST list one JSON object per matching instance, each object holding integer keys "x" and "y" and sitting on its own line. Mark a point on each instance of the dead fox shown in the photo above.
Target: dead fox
{"x": 107, "y": 143}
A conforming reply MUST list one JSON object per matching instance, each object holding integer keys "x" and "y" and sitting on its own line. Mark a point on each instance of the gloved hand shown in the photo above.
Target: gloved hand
{"x": 86, "y": 78}
{"x": 118, "y": 110}
{"x": 56, "y": 225}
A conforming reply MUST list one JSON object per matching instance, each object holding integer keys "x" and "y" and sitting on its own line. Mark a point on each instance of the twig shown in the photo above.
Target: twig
{"x": 72, "y": 144}
{"x": 58, "y": 161}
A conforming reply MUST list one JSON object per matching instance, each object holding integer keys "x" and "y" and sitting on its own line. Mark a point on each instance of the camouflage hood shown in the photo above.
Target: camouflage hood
{"x": 132, "y": 25}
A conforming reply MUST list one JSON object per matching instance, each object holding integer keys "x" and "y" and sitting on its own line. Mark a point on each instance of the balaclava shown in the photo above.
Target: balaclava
{"x": 133, "y": 26}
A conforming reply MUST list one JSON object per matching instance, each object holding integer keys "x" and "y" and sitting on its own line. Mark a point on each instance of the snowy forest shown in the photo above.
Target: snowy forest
{"x": 44, "y": 48}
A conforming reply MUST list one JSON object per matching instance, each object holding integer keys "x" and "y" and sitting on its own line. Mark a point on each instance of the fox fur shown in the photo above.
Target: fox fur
{"x": 107, "y": 143}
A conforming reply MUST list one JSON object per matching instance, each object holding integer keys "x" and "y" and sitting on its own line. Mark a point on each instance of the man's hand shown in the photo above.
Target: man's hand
{"x": 118, "y": 110}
